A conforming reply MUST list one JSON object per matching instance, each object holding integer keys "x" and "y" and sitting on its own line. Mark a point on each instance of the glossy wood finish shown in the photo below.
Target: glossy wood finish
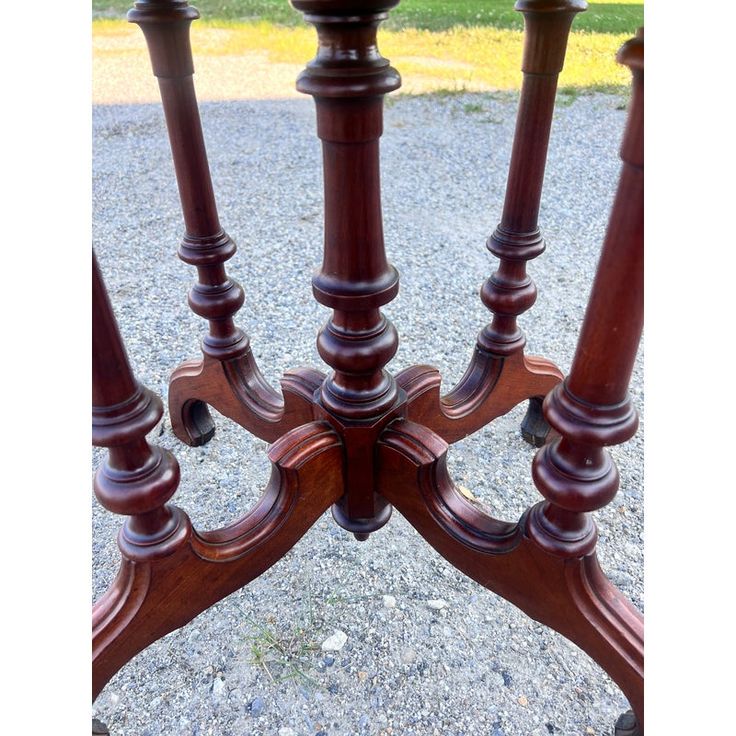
{"x": 500, "y": 376}
{"x": 348, "y": 78}
{"x": 358, "y": 439}
{"x": 227, "y": 377}
{"x": 170, "y": 572}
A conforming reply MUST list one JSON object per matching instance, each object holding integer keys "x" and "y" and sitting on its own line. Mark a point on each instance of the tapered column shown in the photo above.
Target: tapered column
{"x": 348, "y": 79}
{"x": 216, "y": 297}
{"x": 592, "y": 408}
{"x": 136, "y": 480}
{"x": 499, "y": 375}
{"x": 509, "y": 291}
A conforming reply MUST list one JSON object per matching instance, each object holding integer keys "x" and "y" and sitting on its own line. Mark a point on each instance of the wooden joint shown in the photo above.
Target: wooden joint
{"x": 547, "y": 25}
{"x": 165, "y": 25}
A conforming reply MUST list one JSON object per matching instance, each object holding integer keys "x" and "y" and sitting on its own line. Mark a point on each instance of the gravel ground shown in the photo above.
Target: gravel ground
{"x": 253, "y": 664}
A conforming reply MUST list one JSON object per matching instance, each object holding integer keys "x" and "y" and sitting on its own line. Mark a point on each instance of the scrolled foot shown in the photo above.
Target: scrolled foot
{"x": 627, "y": 725}
{"x": 194, "y": 425}
{"x": 534, "y": 428}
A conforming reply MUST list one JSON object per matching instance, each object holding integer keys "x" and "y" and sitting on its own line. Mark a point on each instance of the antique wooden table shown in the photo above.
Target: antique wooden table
{"x": 359, "y": 440}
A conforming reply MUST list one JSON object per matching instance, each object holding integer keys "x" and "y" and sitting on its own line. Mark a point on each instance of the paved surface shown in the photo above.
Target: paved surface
{"x": 253, "y": 664}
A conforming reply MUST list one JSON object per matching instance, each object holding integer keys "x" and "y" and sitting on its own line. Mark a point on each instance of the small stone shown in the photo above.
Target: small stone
{"x": 329, "y": 660}
{"x": 408, "y": 656}
{"x": 437, "y": 605}
{"x": 286, "y": 731}
{"x": 257, "y": 706}
{"x": 523, "y": 700}
{"x": 589, "y": 730}
{"x": 389, "y": 601}
{"x": 335, "y": 642}
{"x": 218, "y": 687}
{"x": 362, "y": 675}
{"x": 114, "y": 699}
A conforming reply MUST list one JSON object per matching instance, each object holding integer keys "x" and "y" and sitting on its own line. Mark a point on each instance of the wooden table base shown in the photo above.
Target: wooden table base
{"x": 358, "y": 440}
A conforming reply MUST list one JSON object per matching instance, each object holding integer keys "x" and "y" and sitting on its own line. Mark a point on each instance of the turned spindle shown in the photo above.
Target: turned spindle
{"x": 136, "y": 479}
{"x": 228, "y": 359}
{"x": 592, "y": 408}
{"x": 215, "y": 296}
{"x": 169, "y": 572}
{"x": 516, "y": 240}
{"x": 499, "y": 375}
{"x": 509, "y": 291}
{"x": 348, "y": 78}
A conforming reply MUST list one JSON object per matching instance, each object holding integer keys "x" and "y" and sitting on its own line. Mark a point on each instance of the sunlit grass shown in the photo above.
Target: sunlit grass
{"x": 602, "y": 16}
{"x": 463, "y": 58}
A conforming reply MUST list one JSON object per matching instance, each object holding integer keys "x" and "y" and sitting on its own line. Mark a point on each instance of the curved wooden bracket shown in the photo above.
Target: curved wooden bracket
{"x": 159, "y": 588}
{"x": 572, "y": 596}
{"x": 237, "y": 389}
{"x": 491, "y": 386}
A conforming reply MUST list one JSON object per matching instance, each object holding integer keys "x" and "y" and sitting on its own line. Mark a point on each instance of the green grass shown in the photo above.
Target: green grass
{"x": 452, "y": 46}
{"x": 605, "y": 16}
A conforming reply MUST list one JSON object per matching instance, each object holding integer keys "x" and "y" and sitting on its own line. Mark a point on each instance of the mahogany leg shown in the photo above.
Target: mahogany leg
{"x": 591, "y": 408}
{"x": 571, "y": 595}
{"x": 227, "y": 377}
{"x": 546, "y": 564}
{"x": 170, "y": 572}
{"x": 348, "y": 79}
{"x": 499, "y": 375}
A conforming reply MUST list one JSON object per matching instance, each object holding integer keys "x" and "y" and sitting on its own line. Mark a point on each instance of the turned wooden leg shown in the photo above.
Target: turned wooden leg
{"x": 592, "y": 408}
{"x": 348, "y": 78}
{"x": 499, "y": 375}
{"x": 170, "y": 572}
{"x": 546, "y": 564}
{"x": 227, "y": 378}
{"x": 570, "y": 595}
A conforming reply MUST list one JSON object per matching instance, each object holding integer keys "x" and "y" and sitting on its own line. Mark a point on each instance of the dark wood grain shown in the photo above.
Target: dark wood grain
{"x": 348, "y": 78}
{"x": 358, "y": 439}
{"x": 499, "y": 375}
{"x": 227, "y": 377}
{"x": 169, "y": 571}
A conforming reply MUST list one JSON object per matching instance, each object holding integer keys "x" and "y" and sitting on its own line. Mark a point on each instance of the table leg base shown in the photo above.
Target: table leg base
{"x": 491, "y": 387}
